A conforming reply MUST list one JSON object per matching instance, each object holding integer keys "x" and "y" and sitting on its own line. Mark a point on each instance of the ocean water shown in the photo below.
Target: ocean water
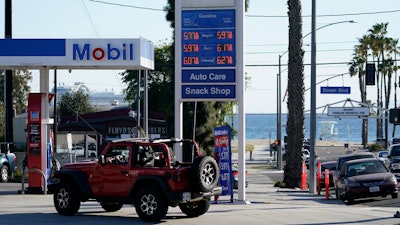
{"x": 263, "y": 126}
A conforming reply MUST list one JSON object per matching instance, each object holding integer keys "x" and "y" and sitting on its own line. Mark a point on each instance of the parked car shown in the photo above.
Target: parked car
{"x": 79, "y": 151}
{"x": 383, "y": 156}
{"x": 395, "y": 140}
{"x": 306, "y": 157}
{"x": 305, "y": 151}
{"x": 344, "y": 158}
{"x": 364, "y": 178}
{"x": 393, "y": 162}
{"x": 8, "y": 162}
{"x": 235, "y": 175}
{"x": 331, "y": 166}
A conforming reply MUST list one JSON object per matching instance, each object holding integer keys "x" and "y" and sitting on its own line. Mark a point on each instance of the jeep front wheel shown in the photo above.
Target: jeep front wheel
{"x": 150, "y": 205}
{"x": 111, "y": 206}
{"x": 204, "y": 173}
{"x": 195, "y": 209}
{"x": 66, "y": 199}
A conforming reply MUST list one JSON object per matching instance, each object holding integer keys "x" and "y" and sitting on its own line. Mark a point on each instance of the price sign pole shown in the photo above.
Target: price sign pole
{"x": 209, "y": 63}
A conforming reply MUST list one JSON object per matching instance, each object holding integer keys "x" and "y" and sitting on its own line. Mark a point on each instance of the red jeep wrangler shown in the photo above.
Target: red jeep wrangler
{"x": 141, "y": 172}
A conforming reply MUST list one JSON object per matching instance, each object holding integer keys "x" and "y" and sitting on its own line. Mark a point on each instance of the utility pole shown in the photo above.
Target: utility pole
{"x": 8, "y": 101}
{"x": 312, "y": 185}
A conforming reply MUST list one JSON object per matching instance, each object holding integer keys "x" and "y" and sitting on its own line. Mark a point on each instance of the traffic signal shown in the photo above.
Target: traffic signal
{"x": 277, "y": 142}
{"x": 394, "y": 116}
{"x": 370, "y": 74}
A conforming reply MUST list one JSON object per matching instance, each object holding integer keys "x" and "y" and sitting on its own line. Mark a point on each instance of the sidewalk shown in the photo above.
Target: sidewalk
{"x": 260, "y": 154}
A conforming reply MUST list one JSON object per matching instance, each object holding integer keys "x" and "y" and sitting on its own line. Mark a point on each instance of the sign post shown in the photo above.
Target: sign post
{"x": 209, "y": 65}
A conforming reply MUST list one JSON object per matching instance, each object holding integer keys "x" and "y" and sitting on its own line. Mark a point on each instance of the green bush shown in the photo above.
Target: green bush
{"x": 249, "y": 147}
{"x": 374, "y": 147}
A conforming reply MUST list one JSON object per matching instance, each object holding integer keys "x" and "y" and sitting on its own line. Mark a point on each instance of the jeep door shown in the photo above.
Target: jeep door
{"x": 114, "y": 178}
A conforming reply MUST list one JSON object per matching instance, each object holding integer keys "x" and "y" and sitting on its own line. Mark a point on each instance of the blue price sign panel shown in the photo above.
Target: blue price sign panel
{"x": 208, "y": 38}
{"x": 208, "y": 91}
{"x": 206, "y": 76}
{"x": 335, "y": 90}
{"x": 208, "y": 18}
{"x": 223, "y": 153}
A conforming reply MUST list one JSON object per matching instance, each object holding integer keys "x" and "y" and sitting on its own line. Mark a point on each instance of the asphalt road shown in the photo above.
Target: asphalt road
{"x": 264, "y": 204}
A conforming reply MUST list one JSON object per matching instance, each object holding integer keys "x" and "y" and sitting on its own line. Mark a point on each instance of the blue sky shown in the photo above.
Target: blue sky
{"x": 266, "y": 37}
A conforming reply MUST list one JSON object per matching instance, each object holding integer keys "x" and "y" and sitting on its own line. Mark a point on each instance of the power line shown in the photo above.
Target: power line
{"x": 323, "y": 50}
{"x": 265, "y": 16}
{"x": 89, "y": 18}
{"x": 286, "y": 44}
{"x": 129, "y": 6}
{"x": 96, "y": 31}
{"x": 332, "y": 15}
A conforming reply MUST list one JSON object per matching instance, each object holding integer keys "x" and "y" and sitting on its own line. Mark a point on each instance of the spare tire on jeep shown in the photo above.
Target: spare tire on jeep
{"x": 204, "y": 174}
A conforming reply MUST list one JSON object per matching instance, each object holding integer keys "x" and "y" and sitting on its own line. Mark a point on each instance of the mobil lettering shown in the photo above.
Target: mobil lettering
{"x": 109, "y": 52}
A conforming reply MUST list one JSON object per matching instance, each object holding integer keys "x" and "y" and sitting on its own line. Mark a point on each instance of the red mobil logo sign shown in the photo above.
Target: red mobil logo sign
{"x": 88, "y": 51}
{"x": 109, "y": 51}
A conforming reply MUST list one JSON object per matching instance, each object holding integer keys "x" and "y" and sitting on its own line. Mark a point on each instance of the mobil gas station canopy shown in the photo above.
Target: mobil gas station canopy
{"x": 77, "y": 53}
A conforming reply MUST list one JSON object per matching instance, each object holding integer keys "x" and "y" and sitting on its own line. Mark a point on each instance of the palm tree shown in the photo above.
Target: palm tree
{"x": 295, "y": 122}
{"x": 388, "y": 68}
{"x": 377, "y": 35}
{"x": 357, "y": 68}
{"x": 381, "y": 48}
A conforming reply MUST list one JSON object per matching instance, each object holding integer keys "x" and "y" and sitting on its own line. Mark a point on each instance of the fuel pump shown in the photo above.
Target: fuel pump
{"x": 38, "y": 149}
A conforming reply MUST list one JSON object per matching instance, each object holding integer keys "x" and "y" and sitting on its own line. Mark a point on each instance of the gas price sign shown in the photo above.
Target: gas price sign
{"x": 208, "y": 38}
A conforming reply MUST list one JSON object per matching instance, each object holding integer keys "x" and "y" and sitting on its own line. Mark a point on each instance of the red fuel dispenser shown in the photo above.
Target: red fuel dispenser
{"x": 37, "y": 142}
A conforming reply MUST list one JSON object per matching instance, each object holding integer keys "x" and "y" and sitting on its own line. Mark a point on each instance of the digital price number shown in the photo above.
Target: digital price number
{"x": 224, "y": 60}
{"x": 191, "y": 60}
{"x": 190, "y": 48}
{"x": 193, "y": 35}
{"x": 224, "y": 47}
{"x": 208, "y": 47}
{"x": 225, "y": 35}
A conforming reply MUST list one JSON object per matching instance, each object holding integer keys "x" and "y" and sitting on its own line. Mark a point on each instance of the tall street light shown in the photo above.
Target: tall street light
{"x": 313, "y": 117}
{"x": 313, "y": 108}
{"x": 279, "y": 98}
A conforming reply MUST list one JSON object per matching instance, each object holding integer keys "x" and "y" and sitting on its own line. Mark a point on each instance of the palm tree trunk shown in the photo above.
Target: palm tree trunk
{"x": 295, "y": 123}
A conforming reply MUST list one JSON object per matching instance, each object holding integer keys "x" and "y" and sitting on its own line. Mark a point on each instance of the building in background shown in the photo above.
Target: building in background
{"x": 112, "y": 120}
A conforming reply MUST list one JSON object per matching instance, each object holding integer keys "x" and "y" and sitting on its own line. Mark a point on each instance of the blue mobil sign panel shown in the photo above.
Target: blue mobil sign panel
{"x": 208, "y": 38}
{"x": 208, "y": 50}
{"x": 208, "y": 91}
{"x": 223, "y": 152}
{"x": 77, "y": 53}
{"x": 335, "y": 90}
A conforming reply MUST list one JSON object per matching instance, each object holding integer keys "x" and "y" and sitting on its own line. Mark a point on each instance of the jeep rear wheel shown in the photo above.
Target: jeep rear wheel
{"x": 195, "y": 209}
{"x": 66, "y": 199}
{"x": 111, "y": 206}
{"x": 4, "y": 173}
{"x": 204, "y": 174}
{"x": 150, "y": 205}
